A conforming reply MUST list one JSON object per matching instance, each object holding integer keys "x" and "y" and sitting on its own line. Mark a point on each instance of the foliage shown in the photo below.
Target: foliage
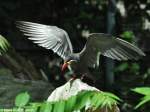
{"x": 82, "y": 101}
{"x": 128, "y": 36}
{"x": 132, "y": 68}
{"x": 4, "y": 44}
{"x": 22, "y": 99}
{"x": 143, "y": 91}
{"x": 74, "y": 96}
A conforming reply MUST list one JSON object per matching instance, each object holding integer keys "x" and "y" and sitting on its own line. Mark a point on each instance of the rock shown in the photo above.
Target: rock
{"x": 72, "y": 88}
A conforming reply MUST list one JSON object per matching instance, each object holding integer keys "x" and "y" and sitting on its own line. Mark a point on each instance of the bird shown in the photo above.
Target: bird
{"x": 56, "y": 39}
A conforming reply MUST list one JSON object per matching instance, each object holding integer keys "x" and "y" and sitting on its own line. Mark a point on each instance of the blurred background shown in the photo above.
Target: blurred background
{"x": 27, "y": 67}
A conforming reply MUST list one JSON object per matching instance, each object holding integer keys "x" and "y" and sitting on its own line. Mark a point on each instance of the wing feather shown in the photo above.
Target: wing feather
{"x": 108, "y": 46}
{"x": 49, "y": 37}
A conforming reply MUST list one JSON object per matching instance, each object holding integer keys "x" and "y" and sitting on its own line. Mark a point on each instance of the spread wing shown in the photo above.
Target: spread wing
{"x": 49, "y": 37}
{"x": 105, "y": 44}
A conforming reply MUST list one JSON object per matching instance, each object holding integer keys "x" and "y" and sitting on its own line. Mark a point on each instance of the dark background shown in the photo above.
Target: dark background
{"x": 77, "y": 17}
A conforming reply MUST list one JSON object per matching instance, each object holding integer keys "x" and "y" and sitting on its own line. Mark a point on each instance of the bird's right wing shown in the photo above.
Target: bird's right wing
{"x": 49, "y": 37}
{"x": 105, "y": 44}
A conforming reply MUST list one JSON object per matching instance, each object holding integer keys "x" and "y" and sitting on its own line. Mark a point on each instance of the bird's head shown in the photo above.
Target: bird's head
{"x": 66, "y": 64}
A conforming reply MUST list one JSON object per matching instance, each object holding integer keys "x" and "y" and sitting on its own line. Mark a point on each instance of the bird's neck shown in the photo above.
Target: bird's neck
{"x": 75, "y": 56}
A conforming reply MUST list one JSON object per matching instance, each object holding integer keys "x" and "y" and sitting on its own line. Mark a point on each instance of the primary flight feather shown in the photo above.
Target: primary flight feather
{"x": 50, "y": 37}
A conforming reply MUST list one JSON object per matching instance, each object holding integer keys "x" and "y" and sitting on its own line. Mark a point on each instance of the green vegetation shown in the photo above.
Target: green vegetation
{"x": 128, "y": 36}
{"x": 143, "y": 91}
{"x": 22, "y": 99}
{"x": 83, "y": 101}
{"x": 4, "y": 45}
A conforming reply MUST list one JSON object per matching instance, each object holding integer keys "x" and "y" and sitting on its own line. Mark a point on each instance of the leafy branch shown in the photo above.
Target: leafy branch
{"x": 143, "y": 91}
{"x": 4, "y": 45}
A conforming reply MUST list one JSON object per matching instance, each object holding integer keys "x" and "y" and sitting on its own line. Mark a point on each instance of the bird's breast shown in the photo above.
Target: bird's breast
{"x": 78, "y": 68}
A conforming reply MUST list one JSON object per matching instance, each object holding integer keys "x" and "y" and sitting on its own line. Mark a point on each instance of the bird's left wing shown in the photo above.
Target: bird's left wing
{"x": 105, "y": 44}
{"x": 49, "y": 37}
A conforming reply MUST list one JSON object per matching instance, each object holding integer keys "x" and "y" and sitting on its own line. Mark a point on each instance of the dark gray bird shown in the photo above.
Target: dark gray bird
{"x": 56, "y": 39}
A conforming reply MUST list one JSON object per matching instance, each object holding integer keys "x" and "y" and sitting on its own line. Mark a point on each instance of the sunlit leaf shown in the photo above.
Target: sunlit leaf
{"x": 35, "y": 106}
{"x": 111, "y": 95}
{"x": 82, "y": 99}
{"x": 142, "y": 90}
{"x": 97, "y": 100}
{"x": 143, "y": 101}
{"x": 4, "y": 44}
{"x": 59, "y": 106}
{"x": 128, "y": 36}
{"x": 70, "y": 103}
{"x": 46, "y": 107}
{"x": 22, "y": 99}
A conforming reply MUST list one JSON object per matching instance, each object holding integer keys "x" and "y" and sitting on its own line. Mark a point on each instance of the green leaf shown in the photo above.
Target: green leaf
{"x": 111, "y": 95}
{"x": 104, "y": 99}
{"x": 97, "y": 100}
{"x": 22, "y": 99}
{"x": 35, "y": 106}
{"x": 46, "y": 107}
{"x": 142, "y": 90}
{"x": 59, "y": 106}
{"x": 128, "y": 36}
{"x": 4, "y": 44}
{"x": 82, "y": 99}
{"x": 143, "y": 101}
{"x": 70, "y": 103}
{"x": 108, "y": 102}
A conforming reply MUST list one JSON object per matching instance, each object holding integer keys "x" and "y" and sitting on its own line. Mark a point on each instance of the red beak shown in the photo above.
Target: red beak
{"x": 64, "y": 66}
